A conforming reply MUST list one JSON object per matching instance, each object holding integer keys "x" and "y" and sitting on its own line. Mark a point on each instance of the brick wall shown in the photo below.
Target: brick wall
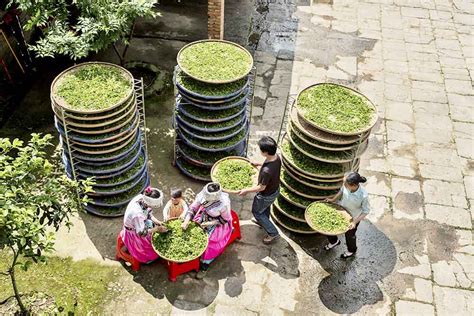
{"x": 215, "y": 19}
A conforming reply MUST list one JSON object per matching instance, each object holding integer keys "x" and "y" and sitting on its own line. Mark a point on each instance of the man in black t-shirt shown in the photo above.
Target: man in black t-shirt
{"x": 267, "y": 189}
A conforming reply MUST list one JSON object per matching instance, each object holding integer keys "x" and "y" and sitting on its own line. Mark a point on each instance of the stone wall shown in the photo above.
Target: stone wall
{"x": 215, "y": 19}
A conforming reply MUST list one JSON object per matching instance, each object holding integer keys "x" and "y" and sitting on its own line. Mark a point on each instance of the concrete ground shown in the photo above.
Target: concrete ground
{"x": 414, "y": 59}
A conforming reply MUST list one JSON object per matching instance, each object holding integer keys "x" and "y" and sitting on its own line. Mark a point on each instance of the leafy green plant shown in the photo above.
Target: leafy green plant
{"x": 77, "y": 28}
{"x": 208, "y": 89}
{"x": 215, "y": 61}
{"x": 180, "y": 245}
{"x": 234, "y": 174}
{"x": 335, "y": 108}
{"x": 93, "y": 87}
{"x": 36, "y": 199}
{"x": 327, "y": 218}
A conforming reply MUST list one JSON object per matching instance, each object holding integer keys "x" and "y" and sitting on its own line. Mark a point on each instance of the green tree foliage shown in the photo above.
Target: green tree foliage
{"x": 36, "y": 199}
{"x": 78, "y": 27}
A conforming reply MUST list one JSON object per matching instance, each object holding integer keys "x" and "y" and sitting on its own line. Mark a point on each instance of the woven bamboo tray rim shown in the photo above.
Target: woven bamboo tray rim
{"x": 332, "y": 176}
{"x": 320, "y": 135}
{"x": 292, "y": 202}
{"x": 60, "y": 101}
{"x": 195, "y": 134}
{"x": 287, "y": 165}
{"x": 206, "y": 106}
{"x": 317, "y": 143}
{"x": 314, "y": 197}
{"x": 127, "y": 141}
{"x": 130, "y": 112}
{"x": 292, "y": 141}
{"x": 179, "y": 261}
{"x": 341, "y": 209}
{"x": 369, "y": 103}
{"x": 108, "y": 130}
{"x": 198, "y": 147}
{"x": 116, "y": 140}
{"x": 291, "y": 173}
{"x": 215, "y": 168}
{"x": 189, "y": 174}
{"x": 302, "y": 220}
{"x": 211, "y": 130}
{"x": 57, "y": 110}
{"x": 212, "y": 120}
{"x": 275, "y": 218}
{"x": 249, "y": 69}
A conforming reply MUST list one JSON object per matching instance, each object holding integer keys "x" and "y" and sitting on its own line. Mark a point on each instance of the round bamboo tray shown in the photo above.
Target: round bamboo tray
{"x": 198, "y": 147}
{"x": 180, "y": 165}
{"x": 315, "y": 184}
{"x": 292, "y": 169}
{"x": 320, "y": 135}
{"x": 285, "y": 224}
{"x": 294, "y": 142}
{"x": 215, "y": 168}
{"x": 277, "y": 205}
{"x": 358, "y": 132}
{"x": 114, "y": 128}
{"x": 211, "y": 120}
{"x": 304, "y": 194}
{"x": 209, "y": 137}
{"x": 339, "y": 208}
{"x": 181, "y": 121}
{"x": 180, "y": 261}
{"x": 60, "y": 101}
{"x": 239, "y": 100}
{"x": 108, "y": 149}
{"x": 178, "y": 59}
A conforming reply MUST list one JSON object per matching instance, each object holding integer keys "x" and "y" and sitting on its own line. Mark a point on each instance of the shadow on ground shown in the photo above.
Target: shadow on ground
{"x": 188, "y": 293}
{"x": 351, "y": 283}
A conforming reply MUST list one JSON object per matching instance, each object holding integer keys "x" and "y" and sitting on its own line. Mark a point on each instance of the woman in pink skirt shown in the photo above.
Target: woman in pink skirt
{"x": 211, "y": 209}
{"x": 139, "y": 224}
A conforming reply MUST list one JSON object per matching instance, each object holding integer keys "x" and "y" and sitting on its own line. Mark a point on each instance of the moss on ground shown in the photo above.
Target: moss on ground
{"x": 79, "y": 287}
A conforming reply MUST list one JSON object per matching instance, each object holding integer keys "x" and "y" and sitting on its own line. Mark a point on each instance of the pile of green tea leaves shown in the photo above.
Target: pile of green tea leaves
{"x": 206, "y": 157}
{"x": 206, "y": 114}
{"x": 289, "y": 209}
{"x": 209, "y": 89}
{"x": 325, "y": 217}
{"x": 201, "y": 172}
{"x": 215, "y": 61}
{"x": 304, "y": 189}
{"x": 212, "y": 126}
{"x": 307, "y": 164}
{"x": 290, "y": 223}
{"x": 335, "y": 108}
{"x": 293, "y": 197}
{"x": 234, "y": 175}
{"x": 212, "y": 144}
{"x": 93, "y": 87}
{"x": 180, "y": 245}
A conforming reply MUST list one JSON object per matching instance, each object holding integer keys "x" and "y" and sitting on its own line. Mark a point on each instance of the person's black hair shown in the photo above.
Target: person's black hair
{"x": 268, "y": 145}
{"x": 355, "y": 178}
{"x": 213, "y": 187}
{"x": 176, "y": 193}
{"x": 153, "y": 193}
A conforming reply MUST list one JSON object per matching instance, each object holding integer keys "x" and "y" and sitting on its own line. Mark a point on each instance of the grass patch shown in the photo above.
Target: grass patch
{"x": 83, "y": 282}
{"x": 93, "y": 87}
{"x": 335, "y": 108}
{"x": 215, "y": 61}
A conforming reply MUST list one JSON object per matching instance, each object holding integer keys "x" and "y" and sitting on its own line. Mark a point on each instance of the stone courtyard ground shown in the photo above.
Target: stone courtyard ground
{"x": 415, "y": 60}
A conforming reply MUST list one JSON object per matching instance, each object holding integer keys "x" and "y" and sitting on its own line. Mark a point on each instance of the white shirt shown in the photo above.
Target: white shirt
{"x": 355, "y": 202}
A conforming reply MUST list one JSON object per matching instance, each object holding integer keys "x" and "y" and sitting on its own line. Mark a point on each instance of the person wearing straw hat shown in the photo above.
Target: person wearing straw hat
{"x": 211, "y": 209}
{"x": 139, "y": 224}
{"x": 355, "y": 199}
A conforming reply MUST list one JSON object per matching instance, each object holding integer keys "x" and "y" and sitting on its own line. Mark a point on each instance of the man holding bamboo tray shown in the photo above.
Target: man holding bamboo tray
{"x": 267, "y": 189}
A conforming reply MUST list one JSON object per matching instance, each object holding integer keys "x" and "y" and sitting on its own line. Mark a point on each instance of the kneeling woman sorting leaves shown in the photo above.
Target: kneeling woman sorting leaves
{"x": 211, "y": 209}
{"x": 355, "y": 199}
{"x": 139, "y": 224}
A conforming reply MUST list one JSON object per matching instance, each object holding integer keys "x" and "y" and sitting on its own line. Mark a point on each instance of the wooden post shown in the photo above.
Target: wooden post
{"x": 215, "y": 19}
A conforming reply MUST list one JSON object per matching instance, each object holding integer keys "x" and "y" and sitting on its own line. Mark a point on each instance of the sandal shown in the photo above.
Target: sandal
{"x": 347, "y": 254}
{"x": 330, "y": 246}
